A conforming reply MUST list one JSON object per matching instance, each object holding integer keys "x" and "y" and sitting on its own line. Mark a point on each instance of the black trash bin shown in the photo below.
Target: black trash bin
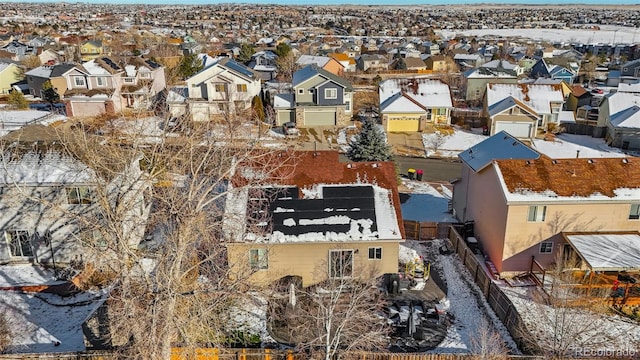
{"x": 419, "y": 175}
{"x": 411, "y": 173}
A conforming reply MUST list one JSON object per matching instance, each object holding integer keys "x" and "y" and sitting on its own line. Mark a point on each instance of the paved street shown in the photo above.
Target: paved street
{"x": 434, "y": 169}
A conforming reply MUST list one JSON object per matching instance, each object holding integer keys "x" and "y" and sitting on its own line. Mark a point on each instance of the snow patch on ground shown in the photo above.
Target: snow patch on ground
{"x": 250, "y": 316}
{"x": 39, "y": 321}
{"x": 470, "y": 315}
{"x": 451, "y": 145}
{"x": 594, "y": 331}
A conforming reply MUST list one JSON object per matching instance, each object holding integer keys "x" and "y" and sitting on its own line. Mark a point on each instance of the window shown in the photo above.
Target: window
{"x": 79, "y": 195}
{"x": 340, "y": 263}
{"x": 331, "y": 93}
{"x": 220, "y": 87}
{"x": 241, "y": 87}
{"x": 101, "y": 81}
{"x": 145, "y": 75}
{"x": 546, "y": 247}
{"x": 19, "y": 243}
{"x": 79, "y": 81}
{"x": 300, "y": 91}
{"x": 129, "y": 80}
{"x": 537, "y": 213}
{"x": 347, "y": 106}
{"x": 310, "y": 91}
{"x": 258, "y": 259}
{"x": 634, "y": 212}
{"x": 441, "y": 111}
{"x": 375, "y": 253}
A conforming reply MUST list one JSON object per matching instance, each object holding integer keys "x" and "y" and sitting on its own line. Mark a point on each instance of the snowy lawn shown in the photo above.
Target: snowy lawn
{"x": 40, "y": 321}
{"x": 591, "y": 331}
{"x": 449, "y": 146}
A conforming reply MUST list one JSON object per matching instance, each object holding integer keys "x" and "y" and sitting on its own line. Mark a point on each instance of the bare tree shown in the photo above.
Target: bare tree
{"x": 436, "y": 140}
{"x": 287, "y": 66}
{"x": 341, "y": 314}
{"x": 5, "y": 333}
{"x": 568, "y": 317}
{"x": 487, "y": 344}
{"x": 153, "y": 232}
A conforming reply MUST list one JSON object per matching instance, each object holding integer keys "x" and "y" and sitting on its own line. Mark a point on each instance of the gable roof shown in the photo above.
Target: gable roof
{"x": 310, "y": 71}
{"x": 49, "y": 72}
{"x": 628, "y": 118}
{"x": 429, "y": 93}
{"x": 402, "y": 103}
{"x": 537, "y": 97}
{"x": 508, "y": 103}
{"x": 621, "y": 101}
{"x": 229, "y": 65}
{"x": 546, "y": 179}
{"x": 499, "y": 146}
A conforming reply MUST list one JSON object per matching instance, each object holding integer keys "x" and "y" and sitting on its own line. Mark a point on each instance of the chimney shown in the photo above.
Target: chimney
{"x": 577, "y": 154}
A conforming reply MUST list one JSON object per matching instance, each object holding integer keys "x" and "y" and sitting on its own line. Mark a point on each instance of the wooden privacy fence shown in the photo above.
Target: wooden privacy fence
{"x": 422, "y": 230}
{"x": 497, "y": 300}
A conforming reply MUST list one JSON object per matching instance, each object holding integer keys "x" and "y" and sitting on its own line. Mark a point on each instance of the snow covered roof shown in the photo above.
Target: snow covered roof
{"x": 44, "y": 169}
{"x": 566, "y": 117}
{"x": 613, "y": 252}
{"x": 428, "y": 93}
{"x": 320, "y": 61}
{"x": 569, "y": 180}
{"x": 95, "y": 68}
{"x": 620, "y": 101}
{"x": 628, "y": 118}
{"x": 629, "y": 88}
{"x": 537, "y": 97}
{"x": 283, "y": 101}
{"x": 499, "y": 146}
{"x": 318, "y": 198}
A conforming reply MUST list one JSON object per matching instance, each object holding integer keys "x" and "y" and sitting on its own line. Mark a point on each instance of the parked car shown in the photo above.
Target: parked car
{"x": 289, "y": 128}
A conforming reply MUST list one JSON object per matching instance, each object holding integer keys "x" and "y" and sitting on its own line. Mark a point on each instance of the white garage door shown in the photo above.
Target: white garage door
{"x": 514, "y": 128}
{"x": 319, "y": 117}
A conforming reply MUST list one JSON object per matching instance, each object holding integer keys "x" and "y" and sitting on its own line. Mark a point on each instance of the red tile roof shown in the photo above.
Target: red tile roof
{"x": 571, "y": 177}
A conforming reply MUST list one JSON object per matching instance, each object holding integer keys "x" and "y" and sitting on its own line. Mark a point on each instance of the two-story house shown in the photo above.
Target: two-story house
{"x": 91, "y": 49}
{"x": 619, "y": 113}
{"x": 19, "y": 49}
{"x": 324, "y": 62}
{"x": 477, "y": 80}
{"x": 372, "y": 62}
{"x": 522, "y": 109}
{"x": 413, "y": 104}
{"x": 319, "y": 218}
{"x": 265, "y": 63}
{"x": 522, "y": 202}
{"x": 541, "y": 69}
{"x": 63, "y": 77}
{"x": 9, "y": 73}
{"x": 52, "y": 201}
{"x": 319, "y": 98}
{"x": 223, "y": 88}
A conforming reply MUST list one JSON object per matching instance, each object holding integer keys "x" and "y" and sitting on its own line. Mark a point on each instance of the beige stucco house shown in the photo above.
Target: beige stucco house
{"x": 9, "y": 74}
{"x": 521, "y": 202}
{"x": 319, "y": 218}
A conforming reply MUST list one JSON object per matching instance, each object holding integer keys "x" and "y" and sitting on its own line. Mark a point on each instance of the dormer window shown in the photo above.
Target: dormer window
{"x": 101, "y": 81}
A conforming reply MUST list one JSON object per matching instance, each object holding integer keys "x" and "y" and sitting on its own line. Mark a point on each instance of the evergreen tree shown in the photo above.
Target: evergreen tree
{"x": 189, "y": 65}
{"x": 283, "y": 49}
{"x": 17, "y": 99}
{"x": 257, "y": 108}
{"x": 246, "y": 51}
{"x": 49, "y": 94}
{"x": 369, "y": 145}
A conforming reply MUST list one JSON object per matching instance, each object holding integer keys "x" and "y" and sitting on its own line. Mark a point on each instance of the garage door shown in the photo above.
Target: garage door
{"x": 402, "y": 125}
{"x": 285, "y": 116}
{"x": 320, "y": 118}
{"x": 514, "y": 128}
